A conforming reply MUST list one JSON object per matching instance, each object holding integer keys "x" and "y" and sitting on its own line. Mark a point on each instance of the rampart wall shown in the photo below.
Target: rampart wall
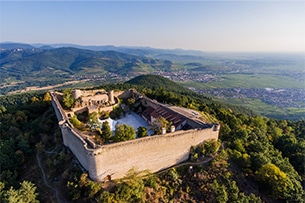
{"x": 60, "y": 114}
{"x": 150, "y": 103}
{"x": 76, "y": 143}
{"x": 151, "y": 153}
{"x": 122, "y": 95}
{"x": 195, "y": 124}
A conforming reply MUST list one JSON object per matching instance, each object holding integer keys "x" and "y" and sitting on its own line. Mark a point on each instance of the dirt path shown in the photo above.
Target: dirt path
{"x": 206, "y": 160}
{"x": 46, "y": 181}
{"x": 50, "y": 87}
{"x": 187, "y": 163}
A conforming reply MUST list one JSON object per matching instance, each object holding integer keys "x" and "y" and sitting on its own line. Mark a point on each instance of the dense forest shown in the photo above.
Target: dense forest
{"x": 260, "y": 159}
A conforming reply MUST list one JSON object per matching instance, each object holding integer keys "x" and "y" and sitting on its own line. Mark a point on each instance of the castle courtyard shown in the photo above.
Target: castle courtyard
{"x": 133, "y": 120}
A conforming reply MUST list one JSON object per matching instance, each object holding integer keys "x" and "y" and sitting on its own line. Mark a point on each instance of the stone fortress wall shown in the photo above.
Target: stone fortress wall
{"x": 151, "y": 153}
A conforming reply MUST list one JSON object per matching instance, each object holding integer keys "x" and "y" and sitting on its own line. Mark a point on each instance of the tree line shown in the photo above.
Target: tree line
{"x": 23, "y": 119}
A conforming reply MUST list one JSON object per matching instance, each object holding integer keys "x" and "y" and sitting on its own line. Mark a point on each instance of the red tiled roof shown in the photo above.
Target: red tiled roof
{"x": 169, "y": 115}
{"x": 147, "y": 112}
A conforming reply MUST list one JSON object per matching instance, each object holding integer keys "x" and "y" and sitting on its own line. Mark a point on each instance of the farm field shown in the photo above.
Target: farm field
{"x": 268, "y": 110}
{"x": 275, "y": 96}
{"x": 256, "y": 81}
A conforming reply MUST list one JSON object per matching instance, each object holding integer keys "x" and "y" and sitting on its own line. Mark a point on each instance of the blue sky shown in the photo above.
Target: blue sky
{"x": 254, "y": 26}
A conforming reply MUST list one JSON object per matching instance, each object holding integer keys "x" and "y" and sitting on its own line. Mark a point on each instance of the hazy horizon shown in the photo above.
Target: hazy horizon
{"x": 83, "y": 46}
{"x": 221, "y": 26}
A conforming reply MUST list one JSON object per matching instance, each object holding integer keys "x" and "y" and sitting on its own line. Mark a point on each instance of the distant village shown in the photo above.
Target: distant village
{"x": 280, "y": 97}
{"x": 285, "y": 98}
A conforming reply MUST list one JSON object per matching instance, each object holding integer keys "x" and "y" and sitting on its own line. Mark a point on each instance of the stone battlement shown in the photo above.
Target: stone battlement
{"x": 151, "y": 153}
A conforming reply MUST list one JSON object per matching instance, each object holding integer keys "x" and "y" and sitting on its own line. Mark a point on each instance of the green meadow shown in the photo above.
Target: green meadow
{"x": 249, "y": 81}
{"x": 268, "y": 110}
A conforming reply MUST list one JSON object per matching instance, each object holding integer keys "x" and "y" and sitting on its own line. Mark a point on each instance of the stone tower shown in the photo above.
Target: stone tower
{"x": 76, "y": 94}
{"x": 111, "y": 97}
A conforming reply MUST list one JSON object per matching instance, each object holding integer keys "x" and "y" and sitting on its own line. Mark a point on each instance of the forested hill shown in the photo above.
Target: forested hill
{"x": 61, "y": 61}
{"x": 167, "y": 91}
{"x": 262, "y": 159}
{"x": 155, "y": 82}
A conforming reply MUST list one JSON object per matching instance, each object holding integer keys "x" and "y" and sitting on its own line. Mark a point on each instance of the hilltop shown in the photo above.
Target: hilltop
{"x": 156, "y": 82}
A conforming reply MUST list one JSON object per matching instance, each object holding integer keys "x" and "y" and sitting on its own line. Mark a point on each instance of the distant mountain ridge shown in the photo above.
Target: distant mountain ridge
{"x": 10, "y": 45}
{"x": 133, "y": 50}
{"x": 21, "y": 59}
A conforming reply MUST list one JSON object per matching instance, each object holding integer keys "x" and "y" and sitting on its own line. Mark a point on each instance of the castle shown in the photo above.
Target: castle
{"x": 152, "y": 153}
